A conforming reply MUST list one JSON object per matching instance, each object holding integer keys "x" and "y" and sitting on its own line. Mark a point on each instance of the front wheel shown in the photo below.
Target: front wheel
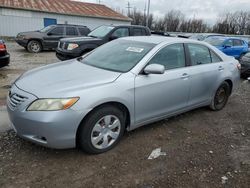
{"x": 34, "y": 46}
{"x": 221, "y": 97}
{"x": 101, "y": 130}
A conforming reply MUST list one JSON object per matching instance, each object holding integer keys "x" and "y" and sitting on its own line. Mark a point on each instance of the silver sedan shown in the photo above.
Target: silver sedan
{"x": 89, "y": 102}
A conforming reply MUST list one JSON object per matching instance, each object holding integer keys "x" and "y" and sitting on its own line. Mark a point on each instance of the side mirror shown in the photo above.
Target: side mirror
{"x": 49, "y": 34}
{"x": 154, "y": 69}
{"x": 113, "y": 37}
{"x": 227, "y": 46}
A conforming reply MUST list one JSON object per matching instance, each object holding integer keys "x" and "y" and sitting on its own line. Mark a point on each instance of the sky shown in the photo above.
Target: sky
{"x": 204, "y": 9}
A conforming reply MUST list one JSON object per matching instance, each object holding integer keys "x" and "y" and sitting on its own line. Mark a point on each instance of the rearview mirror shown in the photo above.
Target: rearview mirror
{"x": 227, "y": 46}
{"x": 112, "y": 37}
{"x": 154, "y": 69}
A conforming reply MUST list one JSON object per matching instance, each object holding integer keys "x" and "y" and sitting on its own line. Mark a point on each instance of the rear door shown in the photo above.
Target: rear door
{"x": 238, "y": 47}
{"x": 159, "y": 95}
{"x": 71, "y": 31}
{"x": 228, "y": 47}
{"x": 204, "y": 71}
{"x": 52, "y": 37}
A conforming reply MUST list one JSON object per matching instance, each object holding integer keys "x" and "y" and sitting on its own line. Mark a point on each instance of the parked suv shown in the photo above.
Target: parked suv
{"x": 74, "y": 47}
{"x": 48, "y": 37}
{"x": 245, "y": 65}
{"x": 4, "y": 55}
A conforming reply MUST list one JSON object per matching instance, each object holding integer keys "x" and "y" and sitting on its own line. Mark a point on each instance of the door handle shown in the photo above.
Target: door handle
{"x": 220, "y": 68}
{"x": 185, "y": 76}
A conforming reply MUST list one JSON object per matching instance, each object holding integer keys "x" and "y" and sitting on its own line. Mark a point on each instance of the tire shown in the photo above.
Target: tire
{"x": 221, "y": 97}
{"x": 94, "y": 134}
{"x": 34, "y": 46}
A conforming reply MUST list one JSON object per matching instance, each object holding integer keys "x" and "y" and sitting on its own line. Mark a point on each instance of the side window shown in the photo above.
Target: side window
{"x": 229, "y": 43}
{"x": 121, "y": 32}
{"x": 71, "y": 31}
{"x": 172, "y": 56}
{"x": 137, "y": 32}
{"x": 237, "y": 42}
{"x": 57, "y": 31}
{"x": 215, "y": 57}
{"x": 199, "y": 54}
{"x": 83, "y": 31}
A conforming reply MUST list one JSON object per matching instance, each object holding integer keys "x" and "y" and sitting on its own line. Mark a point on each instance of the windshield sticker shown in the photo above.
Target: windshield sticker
{"x": 135, "y": 49}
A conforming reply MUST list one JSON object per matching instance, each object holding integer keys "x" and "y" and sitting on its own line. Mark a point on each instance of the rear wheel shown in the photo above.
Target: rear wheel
{"x": 34, "y": 46}
{"x": 221, "y": 97}
{"x": 101, "y": 130}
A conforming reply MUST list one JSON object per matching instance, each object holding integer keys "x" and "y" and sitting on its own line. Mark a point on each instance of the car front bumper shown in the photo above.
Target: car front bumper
{"x": 54, "y": 129}
{"x": 245, "y": 69}
{"x": 22, "y": 42}
{"x": 4, "y": 60}
{"x": 66, "y": 55}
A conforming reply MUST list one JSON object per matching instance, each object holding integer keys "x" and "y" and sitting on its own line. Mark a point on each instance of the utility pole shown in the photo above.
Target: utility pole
{"x": 128, "y": 7}
{"x": 144, "y": 14}
{"x": 148, "y": 13}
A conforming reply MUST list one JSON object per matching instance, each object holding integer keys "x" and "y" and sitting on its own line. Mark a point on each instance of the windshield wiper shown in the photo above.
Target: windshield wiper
{"x": 92, "y": 36}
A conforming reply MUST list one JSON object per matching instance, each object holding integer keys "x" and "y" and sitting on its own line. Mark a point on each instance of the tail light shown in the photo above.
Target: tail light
{"x": 239, "y": 66}
{"x": 2, "y": 47}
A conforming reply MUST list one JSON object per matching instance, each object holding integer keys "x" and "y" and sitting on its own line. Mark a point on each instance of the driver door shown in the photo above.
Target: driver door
{"x": 163, "y": 94}
{"x": 52, "y": 38}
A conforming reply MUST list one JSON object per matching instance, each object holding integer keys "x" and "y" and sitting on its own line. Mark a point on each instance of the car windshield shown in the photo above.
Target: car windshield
{"x": 215, "y": 41}
{"x": 46, "y": 29}
{"x": 101, "y": 31}
{"x": 118, "y": 55}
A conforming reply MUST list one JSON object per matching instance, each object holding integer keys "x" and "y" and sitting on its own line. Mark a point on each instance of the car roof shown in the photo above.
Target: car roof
{"x": 226, "y": 37}
{"x": 123, "y": 25}
{"x": 153, "y": 39}
{"x": 68, "y": 25}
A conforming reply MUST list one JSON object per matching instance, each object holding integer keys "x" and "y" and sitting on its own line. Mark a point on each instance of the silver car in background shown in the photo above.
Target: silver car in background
{"x": 89, "y": 102}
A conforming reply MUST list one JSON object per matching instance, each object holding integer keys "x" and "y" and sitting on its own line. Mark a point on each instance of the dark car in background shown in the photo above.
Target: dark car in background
{"x": 75, "y": 47}
{"x": 245, "y": 65}
{"x": 203, "y": 36}
{"x": 231, "y": 46}
{"x": 4, "y": 55}
{"x": 48, "y": 37}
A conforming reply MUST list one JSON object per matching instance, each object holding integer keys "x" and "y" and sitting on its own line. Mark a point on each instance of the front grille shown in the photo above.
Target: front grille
{"x": 15, "y": 100}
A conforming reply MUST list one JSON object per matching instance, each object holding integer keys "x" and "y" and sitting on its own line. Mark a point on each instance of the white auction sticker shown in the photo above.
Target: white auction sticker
{"x": 135, "y": 49}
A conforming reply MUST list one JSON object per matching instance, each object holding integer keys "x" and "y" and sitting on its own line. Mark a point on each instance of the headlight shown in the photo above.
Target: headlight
{"x": 52, "y": 104}
{"x": 72, "y": 46}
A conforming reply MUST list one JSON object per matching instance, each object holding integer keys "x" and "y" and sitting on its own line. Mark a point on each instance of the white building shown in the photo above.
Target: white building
{"x": 28, "y": 15}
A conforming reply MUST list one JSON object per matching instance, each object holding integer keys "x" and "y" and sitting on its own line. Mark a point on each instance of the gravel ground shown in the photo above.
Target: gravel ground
{"x": 203, "y": 148}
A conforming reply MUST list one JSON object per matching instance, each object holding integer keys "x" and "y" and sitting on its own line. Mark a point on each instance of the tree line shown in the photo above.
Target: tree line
{"x": 175, "y": 21}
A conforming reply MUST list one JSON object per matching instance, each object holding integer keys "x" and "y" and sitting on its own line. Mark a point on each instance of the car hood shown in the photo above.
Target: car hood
{"x": 80, "y": 39}
{"x": 64, "y": 78}
{"x": 29, "y": 33}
